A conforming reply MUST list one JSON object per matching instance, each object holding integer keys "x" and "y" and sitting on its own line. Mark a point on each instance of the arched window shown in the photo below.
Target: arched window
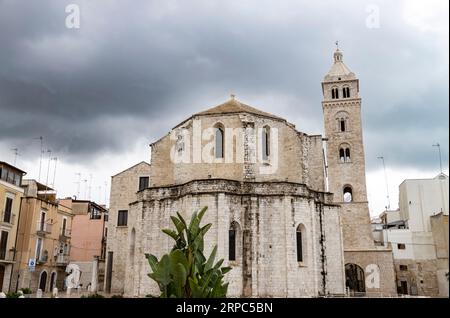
{"x": 354, "y": 278}
{"x": 335, "y": 93}
{"x": 232, "y": 241}
{"x": 219, "y": 142}
{"x": 348, "y": 195}
{"x": 346, "y": 92}
{"x": 344, "y": 153}
{"x": 342, "y": 124}
{"x": 301, "y": 243}
{"x": 347, "y": 155}
{"x": 342, "y": 121}
{"x": 266, "y": 143}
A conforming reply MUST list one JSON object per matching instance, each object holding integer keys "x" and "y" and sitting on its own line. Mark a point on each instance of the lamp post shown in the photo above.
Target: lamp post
{"x": 385, "y": 179}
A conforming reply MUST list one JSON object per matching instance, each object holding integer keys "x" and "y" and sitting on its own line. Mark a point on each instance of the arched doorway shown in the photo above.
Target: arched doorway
{"x": 52, "y": 281}
{"x": 43, "y": 281}
{"x": 354, "y": 278}
{"x": 2, "y": 275}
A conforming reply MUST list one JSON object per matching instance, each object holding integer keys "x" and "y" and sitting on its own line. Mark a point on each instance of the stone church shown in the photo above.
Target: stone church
{"x": 289, "y": 210}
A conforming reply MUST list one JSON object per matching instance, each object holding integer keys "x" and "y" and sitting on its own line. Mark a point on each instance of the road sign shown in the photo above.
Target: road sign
{"x": 32, "y": 264}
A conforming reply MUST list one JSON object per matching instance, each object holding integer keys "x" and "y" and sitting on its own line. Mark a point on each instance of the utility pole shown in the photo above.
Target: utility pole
{"x": 440, "y": 158}
{"x": 385, "y": 179}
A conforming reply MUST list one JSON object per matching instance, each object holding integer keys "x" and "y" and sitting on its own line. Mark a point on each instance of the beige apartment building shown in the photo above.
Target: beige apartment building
{"x": 10, "y": 197}
{"x": 43, "y": 237}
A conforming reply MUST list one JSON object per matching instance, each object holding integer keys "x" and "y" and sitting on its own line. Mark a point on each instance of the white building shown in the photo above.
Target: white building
{"x": 418, "y": 235}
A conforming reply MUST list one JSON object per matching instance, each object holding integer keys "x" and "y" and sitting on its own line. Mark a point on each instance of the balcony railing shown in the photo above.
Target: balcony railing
{"x": 42, "y": 259}
{"x": 43, "y": 228}
{"x": 6, "y": 256}
{"x": 7, "y": 219}
{"x": 65, "y": 232}
{"x": 62, "y": 259}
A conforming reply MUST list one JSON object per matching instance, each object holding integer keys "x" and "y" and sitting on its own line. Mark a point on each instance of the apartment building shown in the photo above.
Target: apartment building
{"x": 10, "y": 198}
{"x": 43, "y": 238}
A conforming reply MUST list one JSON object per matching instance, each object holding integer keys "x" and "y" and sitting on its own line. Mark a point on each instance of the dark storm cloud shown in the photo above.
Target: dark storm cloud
{"x": 138, "y": 68}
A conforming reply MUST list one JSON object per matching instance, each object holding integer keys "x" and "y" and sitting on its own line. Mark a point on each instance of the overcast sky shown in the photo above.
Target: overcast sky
{"x": 101, "y": 93}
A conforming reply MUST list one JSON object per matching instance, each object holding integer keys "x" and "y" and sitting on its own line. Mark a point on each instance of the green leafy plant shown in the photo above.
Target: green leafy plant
{"x": 92, "y": 296}
{"x": 26, "y": 291}
{"x": 117, "y": 296}
{"x": 12, "y": 295}
{"x": 185, "y": 272}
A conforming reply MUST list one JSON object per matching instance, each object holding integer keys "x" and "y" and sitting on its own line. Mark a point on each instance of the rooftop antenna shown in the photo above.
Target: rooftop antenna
{"x": 85, "y": 188}
{"x": 99, "y": 193}
{"x": 90, "y": 186}
{"x": 385, "y": 179}
{"x": 106, "y": 190}
{"x": 78, "y": 184}
{"x": 16, "y": 153}
{"x": 440, "y": 158}
{"x": 54, "y": 172}
{"x": 42, "y": 153}
{"x": 337, "y": 45}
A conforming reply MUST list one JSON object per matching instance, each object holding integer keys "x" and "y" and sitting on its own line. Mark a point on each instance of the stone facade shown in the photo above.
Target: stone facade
{"x": 266, "y": 196}
{"x": 347, "y": 180}
{"x": 124, "y": 186}
{"x": 267, "y": 215}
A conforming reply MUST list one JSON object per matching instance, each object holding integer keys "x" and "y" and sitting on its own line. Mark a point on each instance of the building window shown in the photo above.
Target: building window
{"x": 42, "y": 226}
{"x": 3, "y": 244}
{"x": 95, "y": 214}
{"x": 219, "y": 142}
{"x": 346, "y": 92}
{"x": 334, "y": 93}
{"x": 348, "y": 195}
{"x": 403, "y": 267}
{"x": 232, "y": 243}
{"x": 143, "y": 183}
{"x": 64, "y": 226}
{"x": 401, "y": 246}
{"x": 344, "y": 153}
{"x": 342, "y": 124}
{"x": 299, "y": 244}
{"x": 266, "y": 143}
{"x": 8, "y": 208}
{"x": 38, "y": 248}
{"x": 122, "y": 218}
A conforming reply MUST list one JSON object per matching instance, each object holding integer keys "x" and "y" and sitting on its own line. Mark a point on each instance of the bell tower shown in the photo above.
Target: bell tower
{"x": 345, "y": 153}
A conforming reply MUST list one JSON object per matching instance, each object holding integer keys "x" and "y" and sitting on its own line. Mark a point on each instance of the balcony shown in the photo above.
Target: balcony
{"x": 7, "y": 256}
{"x": 43, "y": 228}
{"x": 42, "y": 259}
{"x": 62, "y": 260}
{"x": 7, "y": 219}
{"x": 65, "y": 234}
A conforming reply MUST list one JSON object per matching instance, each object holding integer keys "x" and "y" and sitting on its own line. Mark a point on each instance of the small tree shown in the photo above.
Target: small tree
{"x": 185, "y": 272}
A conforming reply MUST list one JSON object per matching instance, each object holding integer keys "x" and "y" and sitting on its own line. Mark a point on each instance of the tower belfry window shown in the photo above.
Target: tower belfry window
{"x": 334, "y": 93}
{"x": 342, "y": 124}
{"x": 344, "y": 153}
{"x": 348, "y": 195}
{"x": 346, "y": 92}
